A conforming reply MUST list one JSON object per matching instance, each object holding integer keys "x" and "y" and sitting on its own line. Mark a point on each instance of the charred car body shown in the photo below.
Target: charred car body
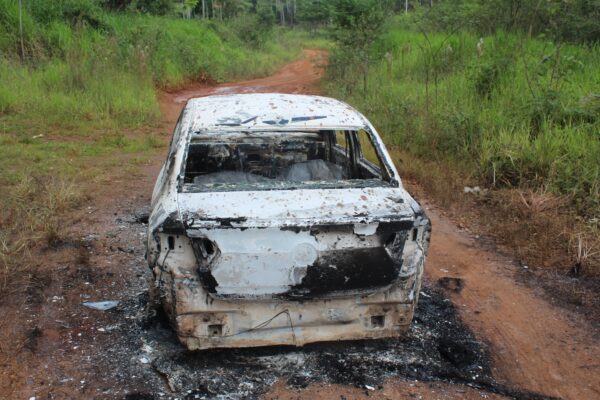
{"x": 281, "y": 220}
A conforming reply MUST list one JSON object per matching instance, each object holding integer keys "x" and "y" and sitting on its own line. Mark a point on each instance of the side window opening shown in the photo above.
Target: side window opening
{"x": 170, "y": 161}
{"x": 368, "y": 158}
{"x": 278, "y": 158}
{"x": 342, "y": 151}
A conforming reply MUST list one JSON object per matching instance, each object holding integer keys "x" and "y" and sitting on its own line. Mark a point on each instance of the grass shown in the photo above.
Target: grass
{"x": 82, "y": 86}
{"x": 107, "y": 79}
{"x": 517, "y": 116}
{"x": 32, "y": 213}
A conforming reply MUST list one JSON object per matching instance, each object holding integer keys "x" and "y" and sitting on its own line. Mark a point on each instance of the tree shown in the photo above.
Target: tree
{"x": 572, "y": 20}
{"x": 358, "y": 24}
{"x": 314, "y": 12}
{"x": 159, "y": 7}
{"x": 188, "y": 6}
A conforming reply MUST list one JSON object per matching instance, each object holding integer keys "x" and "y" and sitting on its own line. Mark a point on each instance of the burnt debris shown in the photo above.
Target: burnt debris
{"x": 437, "y": 348}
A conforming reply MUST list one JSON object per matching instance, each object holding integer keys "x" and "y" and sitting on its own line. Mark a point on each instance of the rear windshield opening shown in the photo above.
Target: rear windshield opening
{"x": 283, "y": 159}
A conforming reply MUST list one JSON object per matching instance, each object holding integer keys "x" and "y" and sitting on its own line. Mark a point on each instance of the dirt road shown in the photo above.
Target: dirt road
{"x": 301, "y": 76}
{"x": 496, "y": 338}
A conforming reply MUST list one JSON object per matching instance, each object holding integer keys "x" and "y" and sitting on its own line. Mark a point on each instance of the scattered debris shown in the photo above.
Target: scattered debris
{"x": 437, "y": 348}
{"x": 101, "y": 305}
{"x": 142, "y": 217}
{"x": 474, "y": 190}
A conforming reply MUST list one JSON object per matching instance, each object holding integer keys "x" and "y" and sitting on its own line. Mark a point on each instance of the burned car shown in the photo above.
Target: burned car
{"x": 281, "y": 220}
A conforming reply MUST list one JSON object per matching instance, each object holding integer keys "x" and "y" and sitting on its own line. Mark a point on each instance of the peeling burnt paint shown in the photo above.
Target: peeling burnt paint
{"x": 251, "y": 265}
{"x": 354, "y": 269}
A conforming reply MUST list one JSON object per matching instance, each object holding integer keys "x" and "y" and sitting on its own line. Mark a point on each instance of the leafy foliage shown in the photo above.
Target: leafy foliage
{"x": 75, "y": 72}
{"x": 573, "y": 20}
{"x": 357, "y": 24}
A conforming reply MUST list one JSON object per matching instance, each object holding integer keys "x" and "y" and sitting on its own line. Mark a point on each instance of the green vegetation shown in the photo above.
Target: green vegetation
{"x": 84, "y": 71}
{"x": 572, "y": 21}
{"x": 103, "y": 67}
{"x": 517, "y": 112}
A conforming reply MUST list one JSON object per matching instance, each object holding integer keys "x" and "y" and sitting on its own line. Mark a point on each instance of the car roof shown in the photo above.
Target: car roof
{"x": 270, "y": 111}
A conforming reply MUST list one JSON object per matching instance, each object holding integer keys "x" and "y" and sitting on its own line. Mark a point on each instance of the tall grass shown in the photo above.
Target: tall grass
{"x": 98, "y": 79}
{"x": 507, "y": 111}
{"x": 97, "y": 68}
{"x": 31, "y": 214}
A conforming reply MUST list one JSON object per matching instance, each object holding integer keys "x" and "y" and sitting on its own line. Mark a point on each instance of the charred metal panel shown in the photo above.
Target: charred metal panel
{"x": 257, "y": 262}
{"x": 348, "y": 270}
{"x": 257, "y": 111}
{"x": 292, "y": 208}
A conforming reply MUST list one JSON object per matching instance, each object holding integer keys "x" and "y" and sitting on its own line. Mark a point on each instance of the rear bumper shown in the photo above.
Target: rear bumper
{"x": 294, "y": 326}
{"x": 202, "y": 322}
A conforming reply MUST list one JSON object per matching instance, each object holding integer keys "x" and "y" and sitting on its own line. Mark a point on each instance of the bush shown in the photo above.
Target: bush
{"x": 72, "y": 12}
{"x": 251, "y": 29}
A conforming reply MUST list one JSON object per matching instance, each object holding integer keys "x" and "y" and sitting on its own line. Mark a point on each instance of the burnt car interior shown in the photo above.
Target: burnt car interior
{"x": 264, "y": 157}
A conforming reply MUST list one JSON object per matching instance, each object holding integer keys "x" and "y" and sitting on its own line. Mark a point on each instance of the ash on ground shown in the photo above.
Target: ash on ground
{"x": 141, "y": 357}
{"x": 437, "y": 347}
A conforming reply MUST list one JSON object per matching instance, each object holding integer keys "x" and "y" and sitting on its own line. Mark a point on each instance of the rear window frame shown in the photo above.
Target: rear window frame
{"x": 387, "y": 179}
